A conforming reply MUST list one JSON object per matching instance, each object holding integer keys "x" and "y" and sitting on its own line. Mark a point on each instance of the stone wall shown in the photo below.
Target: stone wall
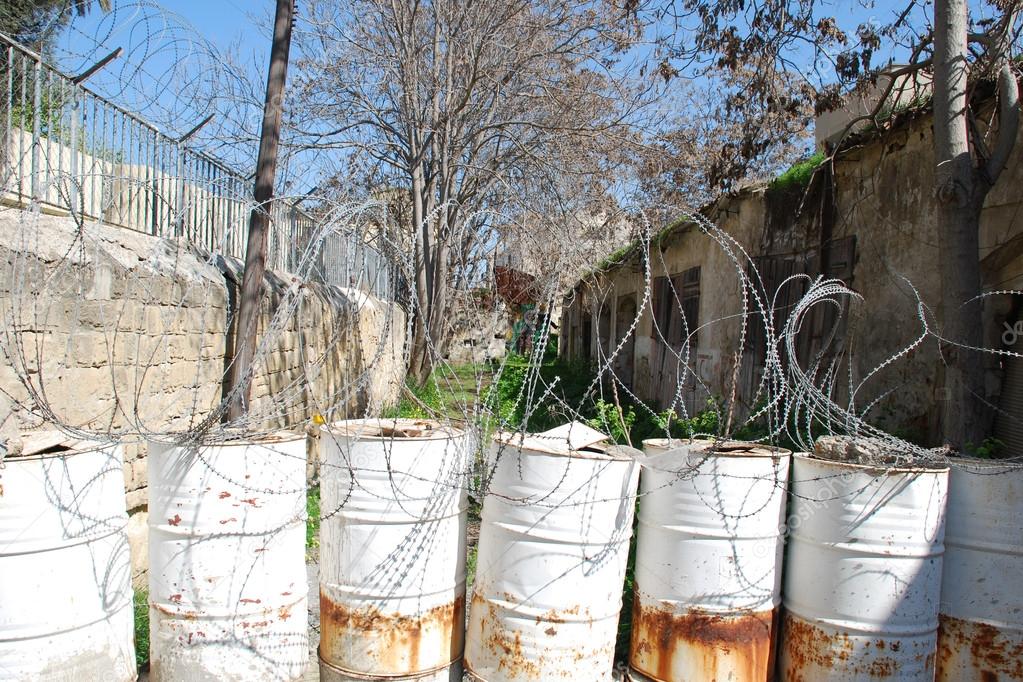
{"x": 109, "y": 331}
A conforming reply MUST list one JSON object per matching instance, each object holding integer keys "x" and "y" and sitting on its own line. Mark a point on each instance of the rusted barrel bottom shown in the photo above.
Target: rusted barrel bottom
{"x": 970, "y": 651}
{"x": 512, "y": 641}
{"x": 449, "y": 673}
{"x": 668, "y": 646}
{"x": 364, "y": 639}
{"x": 818, "y": 651}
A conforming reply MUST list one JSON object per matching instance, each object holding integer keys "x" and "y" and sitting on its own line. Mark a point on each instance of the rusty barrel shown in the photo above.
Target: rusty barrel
{"x": 65, "y": 569}
{"x": 228, "y": 590}
{"x": 392, "y": 551}
{"x": 980, "y": 636}
{"x": 708, "y": 561}
{"x": 554, "y": 542}
{"x": 863, "y": 571}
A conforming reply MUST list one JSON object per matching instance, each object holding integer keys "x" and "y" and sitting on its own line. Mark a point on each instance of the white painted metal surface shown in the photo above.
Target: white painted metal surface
{"x": 708, "y": 560}
{"x": 227, "y": 579}
{"x": 552, "y": 553}
{"x": 981, "y": 632}
{"x": 863, "y": 571}
{"x": 392, "y": 555}
{"x": 65, "y": 569}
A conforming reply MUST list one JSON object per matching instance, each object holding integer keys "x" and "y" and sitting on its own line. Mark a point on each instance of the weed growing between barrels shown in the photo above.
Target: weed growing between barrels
{"x": 628, "y": 594}
{"x": 141, "y": 628}
{"x": 312, "y": 524}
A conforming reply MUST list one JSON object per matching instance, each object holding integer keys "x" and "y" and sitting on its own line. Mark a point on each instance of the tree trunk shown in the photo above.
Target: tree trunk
{"x": 420, "y": 363}
{"x": 240, "y": 376}
{"x": 960, "y": 195}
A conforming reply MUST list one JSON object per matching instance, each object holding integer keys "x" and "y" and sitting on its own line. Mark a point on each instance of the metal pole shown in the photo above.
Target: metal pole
{"x": 255, "y": 251}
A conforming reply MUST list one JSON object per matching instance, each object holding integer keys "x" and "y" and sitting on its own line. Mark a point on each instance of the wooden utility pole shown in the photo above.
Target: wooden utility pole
{"x": 239, "y": 378}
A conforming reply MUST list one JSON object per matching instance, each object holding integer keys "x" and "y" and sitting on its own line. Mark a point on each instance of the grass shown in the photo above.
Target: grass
{"x": 798, "y": 175}
{"x": 451, "y": 391}
{"x": 141, "y": 628}
{"x": 312, "y": 524}
{"x": 470, "y": 565}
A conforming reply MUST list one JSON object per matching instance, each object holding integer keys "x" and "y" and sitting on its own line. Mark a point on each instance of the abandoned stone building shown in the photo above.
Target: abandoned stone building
{"x": 867, "y": 218}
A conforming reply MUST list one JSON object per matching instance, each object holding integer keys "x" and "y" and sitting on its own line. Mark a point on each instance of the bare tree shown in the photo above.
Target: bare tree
{"x": 717, "y": 137}
{"x": 473, "y": 109}
{"x": 781, "y": 40}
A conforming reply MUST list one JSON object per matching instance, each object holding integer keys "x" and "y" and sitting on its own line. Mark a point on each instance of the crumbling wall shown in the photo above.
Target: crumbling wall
{"x": 883, "y": 196}
{"x": 109, "y": 331}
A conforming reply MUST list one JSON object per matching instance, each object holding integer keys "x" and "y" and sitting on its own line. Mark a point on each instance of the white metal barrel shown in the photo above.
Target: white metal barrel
{"x": 708, "y": 560}
{"x": 392, "y": 551}
{"x": 553, "y": 547}
{"x": 863, "y": 571}
{"x": 980, "y": 637}
{"x": 65, "y": 568}
{"x": 227, "y": 579}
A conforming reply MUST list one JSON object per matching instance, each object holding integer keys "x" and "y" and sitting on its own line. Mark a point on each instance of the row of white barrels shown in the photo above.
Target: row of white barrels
{"x": 862, "y": 572}
{"x": 901, "y": 573}
{"x": 227, "y": 579}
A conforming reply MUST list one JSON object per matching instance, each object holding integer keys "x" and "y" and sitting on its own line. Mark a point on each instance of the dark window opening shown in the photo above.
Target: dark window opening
{"x": 676, "y": 302}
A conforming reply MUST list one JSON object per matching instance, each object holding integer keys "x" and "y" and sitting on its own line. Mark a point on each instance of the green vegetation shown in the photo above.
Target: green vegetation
{"x": 621, "y": 255}
{"x": 989, "y": 448}
{"x": 617, "y": 256}
{"x": 312, "y": 524}
{"x": 797, "y": 177}
{"x": 628, "y": 595}
{"x": 470, "y": 564}
{"x": 450, "y": 391}
{"x": 632, "y": 422}
{"x": 417, "y": 402}
{"x": 141, "y": 628}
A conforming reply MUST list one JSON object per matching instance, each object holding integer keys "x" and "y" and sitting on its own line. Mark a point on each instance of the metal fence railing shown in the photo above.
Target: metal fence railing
{"x": 67, "y": 148}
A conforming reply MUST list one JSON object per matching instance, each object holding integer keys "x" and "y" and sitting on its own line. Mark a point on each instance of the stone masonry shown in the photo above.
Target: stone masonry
{"x": 113, "y": 332}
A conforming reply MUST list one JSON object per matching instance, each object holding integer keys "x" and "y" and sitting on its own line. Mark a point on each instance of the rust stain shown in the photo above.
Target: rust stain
{"x": 398, "y": 641}
{"x": 251, "y": 601}
{"x": 251, "y": 501}
{"x": 284, "y": 613}
{"x": 256, "y": 624}
{"x": 228, "y": 520}
{"x": 721, "y": 646}
{"x": 224, "y": 494}
{"x": 186, "y": 615}
{"x": 174, "y": 520}
{"x": 808, "y": 647}
{"x": 176, "y": 598}
{"x": 532, "y": 660}
{"x": 978, "y": 650}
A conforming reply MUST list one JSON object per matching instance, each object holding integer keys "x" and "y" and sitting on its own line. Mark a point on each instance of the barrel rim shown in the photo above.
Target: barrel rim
{"x": 278, "y": 437}
{"x": 873, "y": 469}
{"x": 972, "y": 465}
{"x": 608, "y": 453}
{"x": 740, "y": 449}
{"x": 437, "y": 431}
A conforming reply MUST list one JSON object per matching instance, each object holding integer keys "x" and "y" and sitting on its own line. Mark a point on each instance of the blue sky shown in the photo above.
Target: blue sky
{"x": 164, "y": 74}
